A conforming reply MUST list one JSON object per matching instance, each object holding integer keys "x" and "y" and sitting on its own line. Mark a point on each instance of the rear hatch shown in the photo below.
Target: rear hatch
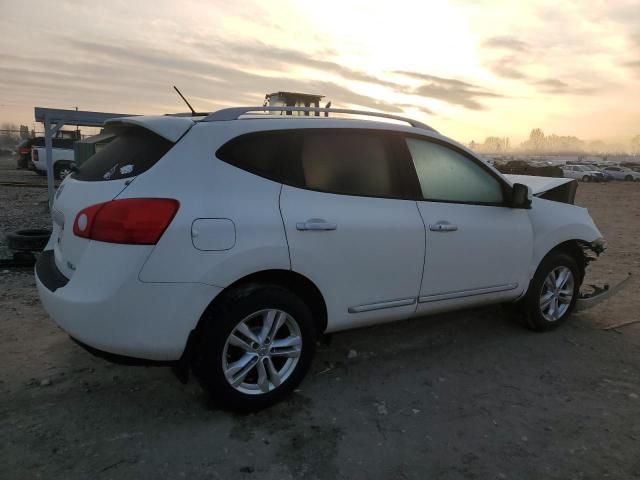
{"x": 133, "y": 150}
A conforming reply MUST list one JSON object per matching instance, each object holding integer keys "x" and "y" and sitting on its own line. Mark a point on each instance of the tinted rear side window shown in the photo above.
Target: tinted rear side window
{"x": 350, "y": 162}
{"x": 132, "y": 152}
{"x": 273, "y": 155}
{"x": 344, "y": 161}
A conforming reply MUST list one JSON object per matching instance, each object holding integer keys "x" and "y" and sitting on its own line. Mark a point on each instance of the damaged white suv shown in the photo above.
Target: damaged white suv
{"x": 229, "y": 243}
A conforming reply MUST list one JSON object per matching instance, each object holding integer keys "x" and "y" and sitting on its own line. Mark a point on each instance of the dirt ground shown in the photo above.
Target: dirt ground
{"x": 470, "y": 395}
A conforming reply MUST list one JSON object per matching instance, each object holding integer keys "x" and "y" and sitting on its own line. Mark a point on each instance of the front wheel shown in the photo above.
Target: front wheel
{"x": 254, "y": 348}
{"x": 553, "y": 292}
{"x": 586, "y": 178}
{"x": 629, "y": 178}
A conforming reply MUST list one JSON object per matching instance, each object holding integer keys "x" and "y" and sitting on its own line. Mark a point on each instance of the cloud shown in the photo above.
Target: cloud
{"x": 450, "y": 90}
{"x": 105, "y": 66}
{"x": 261, "y": 55}
{"x": 558, "y": 87}
{"x": 507, "y": 67}
{"x": 507, "y": 43}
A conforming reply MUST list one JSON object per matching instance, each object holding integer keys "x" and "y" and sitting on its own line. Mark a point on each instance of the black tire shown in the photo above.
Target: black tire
{"x": 629, "y": 178}
{"x": 61, "y": 170}
{"x": 30, "y": 240}
{"x": 42, "y": 173}
{"x": 219, "y": 322}
{"x": 586, "y": 178}
{"x": 533, "y": 314}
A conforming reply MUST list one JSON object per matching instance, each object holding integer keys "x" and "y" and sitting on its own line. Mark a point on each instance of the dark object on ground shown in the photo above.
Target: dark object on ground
{"x": 19, "y": 260}
{"x": 29, "y": 240}
{"x": 520, "y": 167}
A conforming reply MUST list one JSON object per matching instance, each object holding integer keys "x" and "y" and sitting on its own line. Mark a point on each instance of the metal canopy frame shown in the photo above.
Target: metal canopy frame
{"x": 54, "y": 119}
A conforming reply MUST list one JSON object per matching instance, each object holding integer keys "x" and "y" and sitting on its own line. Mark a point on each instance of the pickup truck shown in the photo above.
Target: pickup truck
{"x": 62, "y": 161}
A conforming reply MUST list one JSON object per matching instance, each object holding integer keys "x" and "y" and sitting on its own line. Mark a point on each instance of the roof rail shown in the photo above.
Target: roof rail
{"x": 227, "y": 114}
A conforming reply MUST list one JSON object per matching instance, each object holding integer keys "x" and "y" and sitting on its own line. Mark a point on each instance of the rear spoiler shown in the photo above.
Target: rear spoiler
{"x": 168, "y": 127}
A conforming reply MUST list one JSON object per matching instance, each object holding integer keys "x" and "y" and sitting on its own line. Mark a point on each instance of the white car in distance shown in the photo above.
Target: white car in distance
{"x": 279, "y": 229}
{"x": 61, "y": 158}
{"x": 583, "y": 173}
{"x": 621, "y": 173}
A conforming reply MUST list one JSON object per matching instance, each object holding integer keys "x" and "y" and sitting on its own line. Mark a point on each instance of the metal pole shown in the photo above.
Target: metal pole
{"x": 49, "y": 132}
{"x": 48, "y": 143}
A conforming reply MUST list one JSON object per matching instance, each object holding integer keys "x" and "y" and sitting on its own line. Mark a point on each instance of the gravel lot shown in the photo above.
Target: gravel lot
{"x": 466, "y": 395}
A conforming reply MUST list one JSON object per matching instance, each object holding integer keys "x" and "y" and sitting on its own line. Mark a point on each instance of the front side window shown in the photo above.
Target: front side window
{"x": 448, "y": 176}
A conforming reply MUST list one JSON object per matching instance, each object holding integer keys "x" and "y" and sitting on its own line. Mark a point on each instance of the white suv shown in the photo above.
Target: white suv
{"x": 229, "y": 243}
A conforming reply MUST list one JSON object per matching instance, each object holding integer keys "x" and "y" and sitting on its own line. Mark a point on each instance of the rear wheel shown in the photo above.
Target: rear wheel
{"x": 254, "y": 348}
{"x": 553, "y": 292}
{"x": 586, "y": 178}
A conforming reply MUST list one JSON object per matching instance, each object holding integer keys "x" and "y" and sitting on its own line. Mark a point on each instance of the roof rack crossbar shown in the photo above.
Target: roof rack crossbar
{"x": 234, "y": 113}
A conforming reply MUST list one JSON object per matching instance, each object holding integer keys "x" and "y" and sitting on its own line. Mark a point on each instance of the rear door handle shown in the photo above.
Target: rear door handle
{"x": 316, "y": 224}
{"x": 443, "y": 227}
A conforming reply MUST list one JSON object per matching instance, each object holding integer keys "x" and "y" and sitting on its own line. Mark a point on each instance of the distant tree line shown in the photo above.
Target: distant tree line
{"x": 539, "y": 143}
{"x": 11, "y": 134}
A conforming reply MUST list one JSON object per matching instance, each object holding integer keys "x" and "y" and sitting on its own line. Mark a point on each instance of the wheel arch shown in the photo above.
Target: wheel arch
{"x": 578, "y": 249}
{"x": 293, "y": 281}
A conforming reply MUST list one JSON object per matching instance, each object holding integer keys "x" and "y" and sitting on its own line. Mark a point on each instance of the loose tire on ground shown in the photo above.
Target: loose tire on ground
{"x": 29, "y": 240}
{"x": 538, "y": 317}
{"x": 214, "y": 348}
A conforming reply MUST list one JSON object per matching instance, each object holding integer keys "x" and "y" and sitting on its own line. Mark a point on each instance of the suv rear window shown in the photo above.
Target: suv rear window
{"x": 133, "y": 151}
{"x": 343, "y": 161}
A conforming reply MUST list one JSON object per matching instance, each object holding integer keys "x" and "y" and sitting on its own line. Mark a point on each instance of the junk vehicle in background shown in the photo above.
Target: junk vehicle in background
{"x": 583, "y": 173}
{"x": 621, "y": 173}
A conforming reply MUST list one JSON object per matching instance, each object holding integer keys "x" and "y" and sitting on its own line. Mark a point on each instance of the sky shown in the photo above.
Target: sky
{"x": 470, "y": 69}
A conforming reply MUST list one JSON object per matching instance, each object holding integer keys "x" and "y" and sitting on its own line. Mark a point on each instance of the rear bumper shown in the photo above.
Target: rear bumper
{"x": 114, "y": 312}
{"x": 120, "y": 359}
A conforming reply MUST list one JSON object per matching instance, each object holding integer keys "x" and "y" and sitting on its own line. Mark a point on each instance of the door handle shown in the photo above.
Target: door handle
{"x": 443, "y": 227}
{"x": 316, "y": 224}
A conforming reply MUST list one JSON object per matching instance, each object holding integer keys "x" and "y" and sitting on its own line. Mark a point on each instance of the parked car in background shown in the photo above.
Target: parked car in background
{"x": 23, "y": 151}
{"x": 583, "y": 173}
{"x": 280, "y": 229}
{"x": 62, "y": 161}
{"x": 621, "y": 173}
{"x": 64, "y": 140}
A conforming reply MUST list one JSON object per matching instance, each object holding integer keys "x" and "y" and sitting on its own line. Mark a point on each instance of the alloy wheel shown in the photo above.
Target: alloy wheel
{"x": 262, "y": 351}
{"x": 556, "y": 293}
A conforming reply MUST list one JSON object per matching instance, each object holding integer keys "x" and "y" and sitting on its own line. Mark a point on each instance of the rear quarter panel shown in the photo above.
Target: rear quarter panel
{"x": 208, "y": 188}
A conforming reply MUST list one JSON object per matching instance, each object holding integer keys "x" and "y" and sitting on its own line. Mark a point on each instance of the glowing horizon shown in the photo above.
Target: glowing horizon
{"x": 470, "y": 69}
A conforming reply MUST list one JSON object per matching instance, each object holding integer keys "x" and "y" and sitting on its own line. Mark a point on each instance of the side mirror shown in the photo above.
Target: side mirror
{"x": 521, "y": 196}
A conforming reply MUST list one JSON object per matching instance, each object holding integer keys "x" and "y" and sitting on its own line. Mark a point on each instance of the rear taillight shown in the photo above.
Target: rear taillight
{"x": 35, "y": 155}
{"x": 140, "y": 221}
